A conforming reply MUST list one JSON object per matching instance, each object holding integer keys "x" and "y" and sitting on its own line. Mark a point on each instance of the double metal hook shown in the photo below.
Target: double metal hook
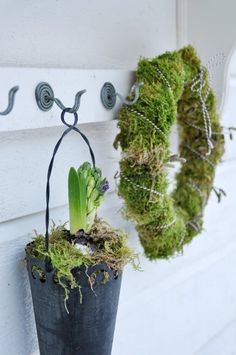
{"x": 11, "y": 101}
{"x": 45, "y": 98}
{"x": 109, "y": 95}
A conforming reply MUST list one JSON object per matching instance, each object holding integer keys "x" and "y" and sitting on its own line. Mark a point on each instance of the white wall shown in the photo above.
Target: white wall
{"x": 185, "y": 306}
{"x": 84, "y": 34}
{"x": 211, "y": 29}
{"x": 74, "y": 34}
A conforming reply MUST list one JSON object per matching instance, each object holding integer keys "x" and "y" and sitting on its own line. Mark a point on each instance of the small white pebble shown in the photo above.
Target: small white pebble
{"x": 82, "y": 248}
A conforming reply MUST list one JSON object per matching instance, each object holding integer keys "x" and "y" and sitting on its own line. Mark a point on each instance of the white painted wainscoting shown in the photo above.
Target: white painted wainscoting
{"x": 185, "y": 306}
{"x": 80, "y": 35}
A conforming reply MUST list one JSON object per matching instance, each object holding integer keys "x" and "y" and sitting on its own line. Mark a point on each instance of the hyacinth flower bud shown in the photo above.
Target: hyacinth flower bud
{"x": 86, "y": 189}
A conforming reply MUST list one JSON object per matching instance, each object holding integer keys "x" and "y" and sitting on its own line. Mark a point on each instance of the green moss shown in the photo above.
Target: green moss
{"x": 161, "y": 242}
{"x": 167, "y": 94}
{"x": 111, "y": 248}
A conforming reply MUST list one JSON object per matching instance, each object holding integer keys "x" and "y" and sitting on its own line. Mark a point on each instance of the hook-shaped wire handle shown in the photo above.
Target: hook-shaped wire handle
{"x": 11, "y": 101}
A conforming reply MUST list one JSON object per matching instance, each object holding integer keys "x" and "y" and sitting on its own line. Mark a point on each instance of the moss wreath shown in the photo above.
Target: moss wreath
{"x": 175, "y": 84}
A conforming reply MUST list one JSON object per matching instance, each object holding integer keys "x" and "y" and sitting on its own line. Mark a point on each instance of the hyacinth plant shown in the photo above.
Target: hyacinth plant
{"x": 90, "y": 240}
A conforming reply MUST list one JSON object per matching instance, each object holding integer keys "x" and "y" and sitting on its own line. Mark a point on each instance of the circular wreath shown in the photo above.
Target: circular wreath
{"x": 175, "y": 85}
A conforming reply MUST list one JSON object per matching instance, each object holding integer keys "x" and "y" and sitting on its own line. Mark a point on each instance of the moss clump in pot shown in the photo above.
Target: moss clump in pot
{"x": 90, "y": 240}
{"x": 175, "y": 86}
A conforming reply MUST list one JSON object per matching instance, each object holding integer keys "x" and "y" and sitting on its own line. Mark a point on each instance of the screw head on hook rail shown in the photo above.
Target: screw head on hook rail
{"x": 44, "y": 96}
{"x": 108, "y": 96}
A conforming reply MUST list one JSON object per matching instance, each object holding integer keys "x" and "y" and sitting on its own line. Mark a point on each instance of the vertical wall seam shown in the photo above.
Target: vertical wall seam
{"x": 181, "y": 23}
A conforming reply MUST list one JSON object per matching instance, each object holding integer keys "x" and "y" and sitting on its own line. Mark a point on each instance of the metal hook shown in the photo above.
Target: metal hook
{"x": 11, "y": 101}
{"x": 45, "y": 98}
{"x": 109, "y": 95}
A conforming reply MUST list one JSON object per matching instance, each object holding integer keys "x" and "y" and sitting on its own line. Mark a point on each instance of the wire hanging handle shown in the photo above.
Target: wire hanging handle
{"x": 71, "y": 127}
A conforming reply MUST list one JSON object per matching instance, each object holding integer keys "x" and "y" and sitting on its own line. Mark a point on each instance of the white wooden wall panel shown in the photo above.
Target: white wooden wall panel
{"x": 53, "y": 35}
{"x": 186, "y": 306}
{"x": 225, "y": 337}
{"x": 189, "y": 299}
{"x": 85, "y": 34}
{"x": 211, "y": 29}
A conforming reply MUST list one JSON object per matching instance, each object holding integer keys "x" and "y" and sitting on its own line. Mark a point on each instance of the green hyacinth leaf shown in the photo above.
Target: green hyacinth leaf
{"x": 77, "y": 201}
